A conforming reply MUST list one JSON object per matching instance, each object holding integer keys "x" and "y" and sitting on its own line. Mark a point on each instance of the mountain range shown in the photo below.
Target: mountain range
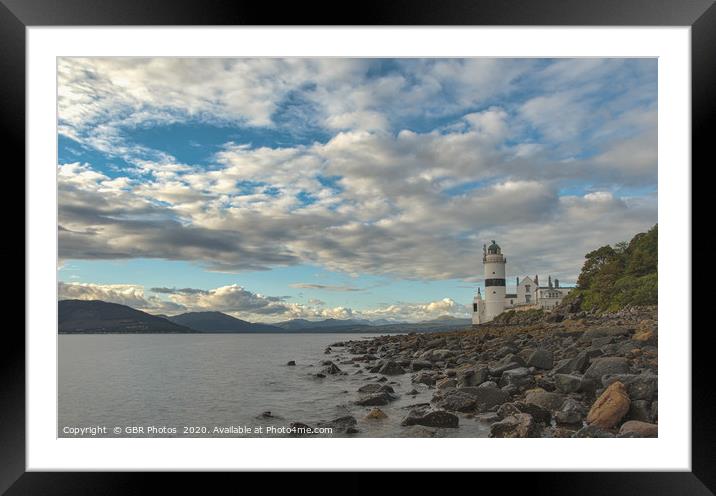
{"x": 95, "y": 316}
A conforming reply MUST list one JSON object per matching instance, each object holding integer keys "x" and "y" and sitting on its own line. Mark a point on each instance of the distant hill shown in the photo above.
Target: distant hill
{"x": 297, "y": 324}
{"x": 219, "y": 322}
{"x": 95, "y": 316}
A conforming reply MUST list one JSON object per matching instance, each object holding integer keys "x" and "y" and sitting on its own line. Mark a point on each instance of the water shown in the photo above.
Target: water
{"x": 195, "y": 382}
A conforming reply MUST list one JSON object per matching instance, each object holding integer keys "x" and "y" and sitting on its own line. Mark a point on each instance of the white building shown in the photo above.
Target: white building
{"x": 528, "y": 293}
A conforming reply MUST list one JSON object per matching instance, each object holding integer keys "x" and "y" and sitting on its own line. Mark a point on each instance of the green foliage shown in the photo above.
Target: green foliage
{"x": 519, "y": 317}
{"x": 615, "y": 277}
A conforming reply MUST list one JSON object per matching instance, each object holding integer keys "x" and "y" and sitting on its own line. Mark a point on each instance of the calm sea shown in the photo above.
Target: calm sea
{"x": 194, "y": 383}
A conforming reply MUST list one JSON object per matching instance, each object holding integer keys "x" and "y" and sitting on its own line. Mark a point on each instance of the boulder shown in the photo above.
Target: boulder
{"x": 331, "y": 369}
{"x": 607, "y": 365}
{"x": 391, "y": 368}
{"x": 639, "y": 386}
{"x": 470, "y": 399}
{"x": 567, "y": 383}
{"x": 610, "y": 407}
{"x": 636, "y": 428}
{"x": 416, "y": 365}
{"x": 538, "y": 413}
{"x": 519, "y": 425}
{"x": 639, "y": 410}
{"x": 572, "y": 412}
{"x": 341, "y": 424}
{"x": 437, "y": 418}
{"x": 472, "y": 376}
{"x": 545, "y": 399}
{"x": 375, "y": 388}
{"x": 457, "y": 401}
{"x": 447, "y": 383}
{"x": 376, "y": 414}
{"x": 376, "y": 399}
{"x": 519, "y": 377}
{"x": 577, "y": 364}
{"x": 645, "y": 335}
{"x": 541, "y": 359}
{"x": 424, "y": 378}
{"x": 291, "y": 363}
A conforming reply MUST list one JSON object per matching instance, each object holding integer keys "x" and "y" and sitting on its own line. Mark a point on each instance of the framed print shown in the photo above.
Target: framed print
{"x": 424, "y": 239}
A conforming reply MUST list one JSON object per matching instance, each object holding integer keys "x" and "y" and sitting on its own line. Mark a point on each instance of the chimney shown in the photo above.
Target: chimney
{"x": 536, "y": 280}
{"x": 518, "y": 281}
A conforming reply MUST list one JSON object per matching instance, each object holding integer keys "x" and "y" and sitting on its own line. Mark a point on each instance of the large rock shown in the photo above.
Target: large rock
{"x": 538, "y": 413}
{"x": 447, "y": 383}
{"x": 577, "y": 364}
{"x": 469, "y": 399}
{"x": 545, "y": 399}
{"x": 375, "y": 399}
{"x": 519, "y": 377}
{"x": 572, "y": 412}
{"x": 457, "y": 401}
{"x": 341, "y": 424}
{"x": 431, "y": 419}
{"x": 472, "y": 376}
{"x": 332, "y": 368}
{"x": 391, "y": 368}
{"x": 541, "y": 359}
{"x": 610, "y": 407}
{"x": 607, "y": 365}
{"x": 518, "y": 425}
{"x": 424, "y": 377}
{"x": 639, "y": 386}
{"x": 375, "y": 388}
{"x": 376, "y": 414}
{"x": 416, "y": 365}
{"x": 636, "y": 428}
{"x": 567, "y": 383}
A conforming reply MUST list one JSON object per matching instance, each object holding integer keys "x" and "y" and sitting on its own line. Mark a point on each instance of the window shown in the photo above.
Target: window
{"x": 527, "y": 288}
{"x": 528, "y": 298}
{"x": 474, "y": 307}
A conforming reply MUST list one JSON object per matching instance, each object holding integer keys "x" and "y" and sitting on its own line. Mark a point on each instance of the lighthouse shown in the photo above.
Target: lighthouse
{"x": 494, "y": 263}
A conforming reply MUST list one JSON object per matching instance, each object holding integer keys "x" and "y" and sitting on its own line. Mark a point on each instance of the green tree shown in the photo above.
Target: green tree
{"x": 626, "y": 274}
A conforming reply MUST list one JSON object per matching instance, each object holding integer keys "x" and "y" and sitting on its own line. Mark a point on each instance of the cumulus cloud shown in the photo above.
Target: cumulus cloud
{"x": 325, "y": 287}
{"x": 533, "y": 153}
{"x": 131, "y": 295}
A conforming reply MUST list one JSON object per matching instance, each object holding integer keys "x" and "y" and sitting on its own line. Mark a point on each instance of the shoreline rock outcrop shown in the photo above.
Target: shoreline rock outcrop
{"x": 585, "y": 375}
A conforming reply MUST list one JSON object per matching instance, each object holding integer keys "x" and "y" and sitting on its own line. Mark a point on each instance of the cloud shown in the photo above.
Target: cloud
{"x": 419, "y": 163}
{"x": 325, "y": 287}
{"x": 233, "y": 299}
{"x": 124, "y": 294}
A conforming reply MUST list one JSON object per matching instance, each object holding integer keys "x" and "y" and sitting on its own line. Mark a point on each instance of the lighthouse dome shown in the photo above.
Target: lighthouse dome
{"x": 494, "y": 249}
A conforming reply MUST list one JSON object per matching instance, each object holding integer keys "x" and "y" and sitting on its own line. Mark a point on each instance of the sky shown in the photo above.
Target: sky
{"x": 272, "y": 189}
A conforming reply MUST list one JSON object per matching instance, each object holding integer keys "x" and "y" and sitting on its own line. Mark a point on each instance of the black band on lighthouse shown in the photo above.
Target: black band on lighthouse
{"x": 494, "y": 282}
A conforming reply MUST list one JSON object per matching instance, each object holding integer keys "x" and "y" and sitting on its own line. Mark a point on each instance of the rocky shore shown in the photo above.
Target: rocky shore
{"x": 556, "y": 375}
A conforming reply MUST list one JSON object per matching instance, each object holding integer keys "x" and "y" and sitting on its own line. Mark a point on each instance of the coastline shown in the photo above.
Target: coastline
{"x": 573, "y": 375}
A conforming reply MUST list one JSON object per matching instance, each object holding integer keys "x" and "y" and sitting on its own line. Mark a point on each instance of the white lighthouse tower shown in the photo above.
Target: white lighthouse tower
{"x": 494, "y": 263}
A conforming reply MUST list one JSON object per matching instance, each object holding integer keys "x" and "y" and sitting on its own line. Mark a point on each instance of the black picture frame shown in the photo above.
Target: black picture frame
{"x": 700, "y": 15}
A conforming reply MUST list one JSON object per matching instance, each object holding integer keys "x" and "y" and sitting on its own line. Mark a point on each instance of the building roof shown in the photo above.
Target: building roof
{"x": 494, "y": 248}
